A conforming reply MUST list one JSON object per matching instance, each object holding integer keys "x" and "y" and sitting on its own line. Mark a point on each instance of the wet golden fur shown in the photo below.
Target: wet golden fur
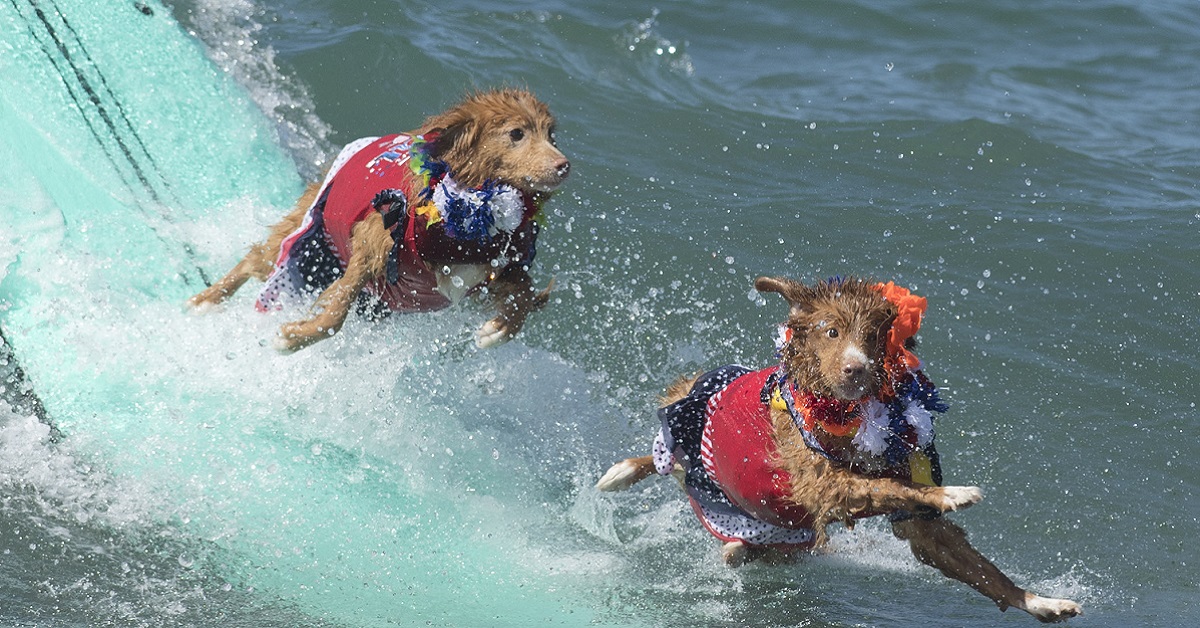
{"x": 504, "y": 135}
{"x": 839, "y": 332}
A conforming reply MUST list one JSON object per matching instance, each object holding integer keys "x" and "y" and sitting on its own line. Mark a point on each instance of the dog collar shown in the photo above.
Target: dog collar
{"x": 891, "y": 429}
{"x": 473, "y": 214}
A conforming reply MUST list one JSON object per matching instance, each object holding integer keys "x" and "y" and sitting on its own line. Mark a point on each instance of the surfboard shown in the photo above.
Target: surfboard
{"x": 104, "y": 146}
{"x": 134, "y": 170}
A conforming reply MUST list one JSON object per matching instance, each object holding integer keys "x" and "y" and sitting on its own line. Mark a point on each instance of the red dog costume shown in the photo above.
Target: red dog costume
{"x": 722, "y": 435}
{"x": 491, "y": 225}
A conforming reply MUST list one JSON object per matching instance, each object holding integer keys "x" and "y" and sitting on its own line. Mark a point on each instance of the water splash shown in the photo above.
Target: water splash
{"x": 643, "y": 40}
{"x": 230, "y": 30}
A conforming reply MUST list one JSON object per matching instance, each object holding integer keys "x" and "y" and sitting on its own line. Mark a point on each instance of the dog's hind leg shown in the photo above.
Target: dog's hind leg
{"x": 257, "y": 264}
{"x": 943, "y": 545}
{"x": 739, "y": 553}
{"x": 626, "y": 473}
{"x": 370, "y": 243}
{"x": 259, "y": 261}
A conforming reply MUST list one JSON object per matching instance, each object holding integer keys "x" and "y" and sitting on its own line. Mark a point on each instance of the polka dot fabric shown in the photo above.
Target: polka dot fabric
{"x": 682, "y": 440}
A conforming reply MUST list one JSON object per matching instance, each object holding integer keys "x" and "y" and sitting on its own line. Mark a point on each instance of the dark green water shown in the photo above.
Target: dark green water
{"x": 1030, "y": 167}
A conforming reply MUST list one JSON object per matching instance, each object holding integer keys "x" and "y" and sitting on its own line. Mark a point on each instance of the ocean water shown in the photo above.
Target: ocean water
{"x": 1029, "y": 167}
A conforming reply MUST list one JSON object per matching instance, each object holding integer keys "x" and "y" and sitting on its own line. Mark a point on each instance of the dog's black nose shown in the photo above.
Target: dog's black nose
{"x": 563, "y": 168}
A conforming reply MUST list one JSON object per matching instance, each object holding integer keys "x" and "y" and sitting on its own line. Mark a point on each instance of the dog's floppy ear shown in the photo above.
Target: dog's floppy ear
{"x": 458, "y": 133}
{"x": 795, "y": 293}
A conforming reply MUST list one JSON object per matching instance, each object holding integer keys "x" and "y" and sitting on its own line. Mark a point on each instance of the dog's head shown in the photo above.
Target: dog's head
{"x": 504, "y": 135}
{"x": 837, "y": 335}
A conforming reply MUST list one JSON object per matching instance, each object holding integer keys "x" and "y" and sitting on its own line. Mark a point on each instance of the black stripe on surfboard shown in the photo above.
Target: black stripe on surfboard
{"x": 15, "y": 387}
{"x": 67, "y": 68}
{"x": 74, "y": 97}
{"x": 92, "y": 96}
{"x": 17, "y": 390}
{"x": 112, "y": 96}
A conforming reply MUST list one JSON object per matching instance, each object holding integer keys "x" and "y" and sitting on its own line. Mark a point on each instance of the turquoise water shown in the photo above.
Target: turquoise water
{"x": 1029, "y": 167}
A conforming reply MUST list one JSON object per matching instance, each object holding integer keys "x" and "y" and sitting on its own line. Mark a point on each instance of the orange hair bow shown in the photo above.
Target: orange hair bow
{"x": 910, "y": 308}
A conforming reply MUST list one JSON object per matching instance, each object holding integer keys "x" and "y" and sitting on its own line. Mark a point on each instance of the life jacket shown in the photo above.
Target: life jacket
{"x": 394, "y": 176}
{"x": 722, "y": 434}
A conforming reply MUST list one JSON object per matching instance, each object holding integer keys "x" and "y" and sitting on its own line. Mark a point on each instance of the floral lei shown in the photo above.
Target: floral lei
{"x": 894, "y": 424}
{"x": 474, "y": 214}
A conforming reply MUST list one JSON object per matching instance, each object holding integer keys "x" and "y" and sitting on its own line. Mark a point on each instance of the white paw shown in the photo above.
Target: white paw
{"x": 735, "y": 553}
{"x": 959, "y": 497}
{"x": 1050, "y": 610}
{"x": 202, "y": 307}
{"x": 282, "y": 345}
{"x": 620, "y": 476}
{"x": 491, "y": 334}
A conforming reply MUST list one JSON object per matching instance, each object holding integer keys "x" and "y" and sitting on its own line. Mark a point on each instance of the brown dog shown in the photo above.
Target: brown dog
{"x": 417, "y": 221}
{"x": 840, "y": 429}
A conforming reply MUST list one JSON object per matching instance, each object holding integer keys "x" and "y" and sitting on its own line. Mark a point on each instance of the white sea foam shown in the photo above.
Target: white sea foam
{"x": 231, "y": 31}
{"x": 60, "y": 484}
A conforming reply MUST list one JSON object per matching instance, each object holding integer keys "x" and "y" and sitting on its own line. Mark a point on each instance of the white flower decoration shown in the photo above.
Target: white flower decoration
{"x": 506, "y": 205}
{"x": 872, "y": 434}
{"x": 921, "y": 420}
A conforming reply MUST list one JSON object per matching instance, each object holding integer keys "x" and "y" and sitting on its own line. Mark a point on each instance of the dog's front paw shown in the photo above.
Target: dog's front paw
{"x": 198, "y": 307}
{"x": 959, "y": 497}
{"x": 622, "y": 475}
{"x": 1050, "y": 610}
{"x": 284, "y": 345}
{"x": 207, "y": 301}
{"x": 493, "y": 334}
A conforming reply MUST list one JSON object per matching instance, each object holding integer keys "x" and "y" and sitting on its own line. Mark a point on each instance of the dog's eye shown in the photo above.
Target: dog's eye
{"x": 832, "y": 332}
{"x": 516, "y": 135}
